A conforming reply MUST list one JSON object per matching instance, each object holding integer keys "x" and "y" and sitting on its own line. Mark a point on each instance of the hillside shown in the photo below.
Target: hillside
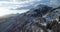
{"x": 25, "y": 22}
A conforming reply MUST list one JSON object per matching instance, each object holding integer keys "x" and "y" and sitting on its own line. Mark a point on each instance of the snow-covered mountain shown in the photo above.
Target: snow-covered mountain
{"x": 26, "y": 21}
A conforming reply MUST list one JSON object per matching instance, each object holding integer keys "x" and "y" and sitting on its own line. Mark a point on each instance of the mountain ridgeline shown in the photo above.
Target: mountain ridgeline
{"x": 31, "y": 21}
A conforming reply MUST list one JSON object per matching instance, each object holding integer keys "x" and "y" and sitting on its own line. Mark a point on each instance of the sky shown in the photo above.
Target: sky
{"x": 6, "y": 5}
{"x": 9, "y": 6}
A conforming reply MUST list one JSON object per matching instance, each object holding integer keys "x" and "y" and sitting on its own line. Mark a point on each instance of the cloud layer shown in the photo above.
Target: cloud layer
{"x": 7, "y": 5}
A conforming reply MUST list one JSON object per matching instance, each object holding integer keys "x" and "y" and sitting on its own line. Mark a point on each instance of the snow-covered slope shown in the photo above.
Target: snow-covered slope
{"x": 26, "y": 21}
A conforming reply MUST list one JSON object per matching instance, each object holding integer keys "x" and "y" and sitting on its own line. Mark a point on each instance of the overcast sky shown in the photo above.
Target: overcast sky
{"x": 6, "y": 5}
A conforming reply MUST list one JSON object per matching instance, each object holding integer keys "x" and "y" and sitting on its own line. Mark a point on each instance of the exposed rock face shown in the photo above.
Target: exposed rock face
{"x": 40, "y": 10}
{"x": 31, "y": 21}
